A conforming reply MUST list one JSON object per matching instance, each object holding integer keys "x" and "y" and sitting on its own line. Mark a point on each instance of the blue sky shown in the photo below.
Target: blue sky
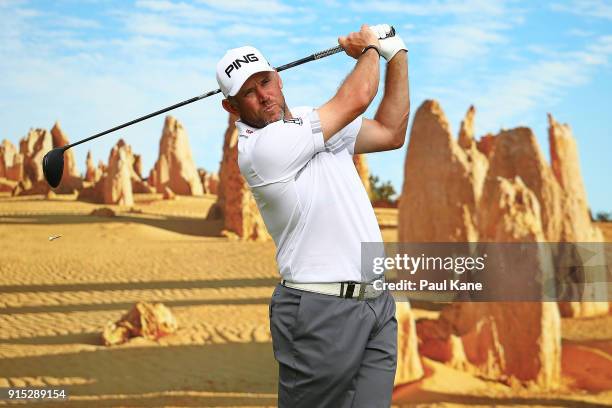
{"x": 95, "y": 64}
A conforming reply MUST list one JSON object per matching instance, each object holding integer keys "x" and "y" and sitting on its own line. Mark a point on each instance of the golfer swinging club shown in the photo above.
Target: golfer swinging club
{"x": 334, "y": 337}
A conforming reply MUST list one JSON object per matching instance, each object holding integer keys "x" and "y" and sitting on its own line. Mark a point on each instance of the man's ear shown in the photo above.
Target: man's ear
{"x": 227, "y": 105}
{"x": 280, "y": 81}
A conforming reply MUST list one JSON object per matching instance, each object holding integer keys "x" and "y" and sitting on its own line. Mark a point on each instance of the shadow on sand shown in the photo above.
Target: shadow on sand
{"x": 170, "y": 401}
{"x": 133, "y": 372}
{"x": 177, "y": 284}
{"x": 183, "y": 225}
{"x": 89, "y": 307}
{"x": 440, "y": 398}
{"x": 414, "y": 394}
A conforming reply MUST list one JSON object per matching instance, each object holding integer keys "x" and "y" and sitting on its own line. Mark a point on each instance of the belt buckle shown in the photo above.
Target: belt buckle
{"x": 349, "y": 293}
{"x": 350, "y": 288}
{"x": 362, "y": 289}
{"x": 347, "y": 290}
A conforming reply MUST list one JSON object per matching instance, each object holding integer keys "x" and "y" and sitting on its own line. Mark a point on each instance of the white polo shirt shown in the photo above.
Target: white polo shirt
{"x": 310, "y": 195}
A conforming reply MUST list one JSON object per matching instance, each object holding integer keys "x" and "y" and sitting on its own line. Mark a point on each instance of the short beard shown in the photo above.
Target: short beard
{"x": 282, "y": 116}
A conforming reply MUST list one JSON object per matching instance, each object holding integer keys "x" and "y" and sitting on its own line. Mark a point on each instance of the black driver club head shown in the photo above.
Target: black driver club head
{"x": 53, "y": 166}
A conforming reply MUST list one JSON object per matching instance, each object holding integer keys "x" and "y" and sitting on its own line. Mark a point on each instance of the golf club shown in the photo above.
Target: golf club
{"x": 53, "y": 161}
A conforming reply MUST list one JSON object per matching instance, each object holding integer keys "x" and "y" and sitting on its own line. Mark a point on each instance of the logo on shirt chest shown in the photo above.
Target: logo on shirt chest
{"x": 297, "y": 121}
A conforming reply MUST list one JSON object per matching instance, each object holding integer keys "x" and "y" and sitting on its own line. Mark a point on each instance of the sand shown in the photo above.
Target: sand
{"x": 56, "y": 296}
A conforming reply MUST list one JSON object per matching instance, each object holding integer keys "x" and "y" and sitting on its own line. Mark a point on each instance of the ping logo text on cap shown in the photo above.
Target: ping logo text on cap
{"x": 238, "y": 63}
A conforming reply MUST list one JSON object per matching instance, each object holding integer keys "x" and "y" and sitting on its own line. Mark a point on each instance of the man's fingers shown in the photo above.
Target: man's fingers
{"x": 343, "y": 41}
{"x": 376, "y": 30}
{"x": 365, "y": 29}
{"x": 384, "y": 30}
{"x": 381, "y": 30}
{"x": 354, "y": 43}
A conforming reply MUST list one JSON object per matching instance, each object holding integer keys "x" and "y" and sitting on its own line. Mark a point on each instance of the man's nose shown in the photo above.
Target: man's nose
{"x": 263, "y": 97}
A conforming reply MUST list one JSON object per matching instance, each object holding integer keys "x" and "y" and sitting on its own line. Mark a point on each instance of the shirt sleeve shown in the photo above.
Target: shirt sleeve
{"x": 285, "y": 147}
{"x": 346, "y": 137}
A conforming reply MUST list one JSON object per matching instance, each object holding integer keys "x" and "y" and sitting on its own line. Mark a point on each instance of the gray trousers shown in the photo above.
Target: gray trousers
{"x": 333, "y": 352}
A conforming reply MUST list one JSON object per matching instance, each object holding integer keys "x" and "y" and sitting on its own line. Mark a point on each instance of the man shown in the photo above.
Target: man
{"x": 334, "y": 337}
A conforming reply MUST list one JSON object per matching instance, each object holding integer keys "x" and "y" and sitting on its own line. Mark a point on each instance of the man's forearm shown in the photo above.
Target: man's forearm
{"x": 394, "y": 108}
{"x": 359, "y": 88}
{"x": 363, "y": 80}
{"x": 353, "y": 97}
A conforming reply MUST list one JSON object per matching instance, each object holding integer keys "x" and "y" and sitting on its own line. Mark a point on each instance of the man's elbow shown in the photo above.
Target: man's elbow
{"x": 394, "y": 139}
{"x": 398, "y": 141}
{"x": 399, "y": 137}
{"x": 364, "y": 96}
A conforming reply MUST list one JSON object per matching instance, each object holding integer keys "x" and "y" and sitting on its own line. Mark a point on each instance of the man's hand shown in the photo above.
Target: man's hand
{"x": 388, "y": 129}
{"x": 388, "y": 46}
{"x": 354, "y": 43}
{"x": 358, "y": 89}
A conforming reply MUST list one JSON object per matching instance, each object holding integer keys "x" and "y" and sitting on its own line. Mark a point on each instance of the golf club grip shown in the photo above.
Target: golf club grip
{"x": 323, "y": 54}
{"x": 328, "y": 52}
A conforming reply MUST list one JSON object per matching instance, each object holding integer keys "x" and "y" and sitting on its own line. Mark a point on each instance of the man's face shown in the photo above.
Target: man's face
{"x": 260, "y": 101}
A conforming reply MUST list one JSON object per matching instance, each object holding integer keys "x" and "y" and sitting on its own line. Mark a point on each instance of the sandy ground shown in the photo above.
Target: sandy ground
{"x": 55, "y": 297}
{"x": 606, "y": 228}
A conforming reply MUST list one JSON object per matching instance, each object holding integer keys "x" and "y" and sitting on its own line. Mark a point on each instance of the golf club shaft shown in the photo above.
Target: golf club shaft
{"x": 316, "y": 56}
{"x": 150, "y": 115}
{"x": 313, "y": 57}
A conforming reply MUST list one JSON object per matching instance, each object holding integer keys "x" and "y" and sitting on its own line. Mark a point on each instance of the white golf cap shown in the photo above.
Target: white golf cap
{"x": 237, "y": 65}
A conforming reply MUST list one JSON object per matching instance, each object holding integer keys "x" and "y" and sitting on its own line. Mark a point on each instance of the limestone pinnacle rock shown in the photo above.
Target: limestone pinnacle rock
{"x": 175, "y": 167}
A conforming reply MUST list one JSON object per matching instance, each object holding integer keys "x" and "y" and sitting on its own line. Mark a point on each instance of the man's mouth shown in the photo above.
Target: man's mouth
{"x": 269, "y": 108}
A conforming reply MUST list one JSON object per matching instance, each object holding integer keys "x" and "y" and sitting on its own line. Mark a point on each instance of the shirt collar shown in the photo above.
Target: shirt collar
{"x": 245, "y": 129}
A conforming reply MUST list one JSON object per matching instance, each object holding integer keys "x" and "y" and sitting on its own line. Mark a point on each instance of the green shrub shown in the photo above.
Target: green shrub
{"x": 381, "y": 191}
{"x": 603, "y": 216}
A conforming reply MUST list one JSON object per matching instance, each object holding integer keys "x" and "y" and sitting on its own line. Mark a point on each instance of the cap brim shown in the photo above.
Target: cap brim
{"x": 238, "y": 84}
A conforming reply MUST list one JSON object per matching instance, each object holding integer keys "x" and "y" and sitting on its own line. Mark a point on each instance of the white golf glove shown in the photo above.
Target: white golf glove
{"x": 388, "y": 46}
